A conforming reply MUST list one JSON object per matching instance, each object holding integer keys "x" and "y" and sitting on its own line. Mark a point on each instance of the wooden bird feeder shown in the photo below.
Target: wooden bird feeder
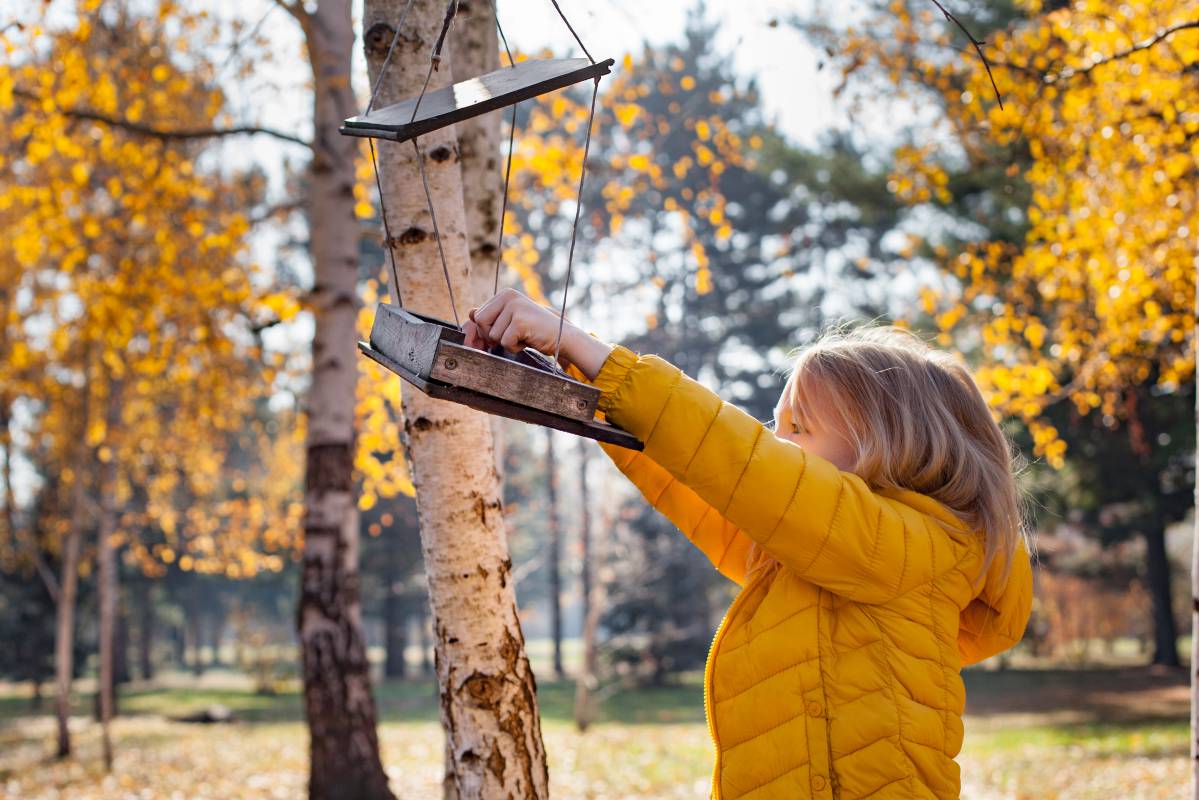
{"x": 430, "y": 353}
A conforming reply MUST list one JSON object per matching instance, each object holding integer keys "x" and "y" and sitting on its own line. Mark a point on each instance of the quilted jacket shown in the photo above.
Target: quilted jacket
{"x": 837, "y": 673}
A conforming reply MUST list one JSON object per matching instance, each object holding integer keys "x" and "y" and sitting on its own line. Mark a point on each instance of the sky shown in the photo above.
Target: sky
{"x": 796, "y": 94}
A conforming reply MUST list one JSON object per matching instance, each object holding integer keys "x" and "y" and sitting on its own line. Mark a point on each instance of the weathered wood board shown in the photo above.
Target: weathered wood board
{"x": 433, "y": 349}
{"x": 470, "y": 98}
{"x": 482, "y": 372}
{"x": 408, "y": 339}
{"x": 591, "y": 429}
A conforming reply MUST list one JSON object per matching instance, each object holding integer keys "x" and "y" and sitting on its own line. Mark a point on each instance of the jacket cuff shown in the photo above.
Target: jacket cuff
{"x": 613, "y": 376}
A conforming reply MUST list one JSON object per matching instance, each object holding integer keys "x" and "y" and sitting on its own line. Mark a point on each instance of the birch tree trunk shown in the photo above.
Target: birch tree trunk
{"x": 475, "y": 51}
{"x": 68, "y": 582}
{"x": 555, "y": 550}
{"x": 344, "y": 748}
{"x": 488, "y": 701}
{"x": 106, "y": 579}
{"x": 586, "y": 678}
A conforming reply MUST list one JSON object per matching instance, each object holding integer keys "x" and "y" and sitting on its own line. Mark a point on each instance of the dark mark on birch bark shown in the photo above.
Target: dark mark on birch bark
{"x": 413, "y": 236}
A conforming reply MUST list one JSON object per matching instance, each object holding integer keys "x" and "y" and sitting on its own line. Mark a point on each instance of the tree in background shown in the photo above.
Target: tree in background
{"x": 132, "y": 294}
{"x": 488, "y": 701}
{"x": 1079, "y": 289}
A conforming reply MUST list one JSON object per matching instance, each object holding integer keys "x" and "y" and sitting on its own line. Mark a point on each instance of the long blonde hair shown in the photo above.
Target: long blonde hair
{"x": 914, "y": 419}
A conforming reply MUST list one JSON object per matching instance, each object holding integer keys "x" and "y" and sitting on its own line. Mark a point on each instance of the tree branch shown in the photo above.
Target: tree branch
{"x": 47, "y": 576}
{"x": 287, "y": 208}
{"x": 978, "y": 46}
{"x": 1160, "y": 36}
{"x": 165, "y": 135}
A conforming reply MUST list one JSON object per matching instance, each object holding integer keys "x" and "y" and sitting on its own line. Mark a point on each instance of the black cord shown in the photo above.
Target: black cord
{"x": 572, "y": 31}
{"x": 499, "y": 255}
{"x": 570, "y": 258}
{"x": 395, "y": 277}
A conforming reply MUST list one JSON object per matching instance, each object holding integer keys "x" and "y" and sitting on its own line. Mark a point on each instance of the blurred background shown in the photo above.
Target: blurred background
{"x": 759, "y": 172}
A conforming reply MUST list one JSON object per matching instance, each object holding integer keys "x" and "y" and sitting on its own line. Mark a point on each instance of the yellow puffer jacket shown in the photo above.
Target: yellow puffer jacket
{"x": 837, "y": 674}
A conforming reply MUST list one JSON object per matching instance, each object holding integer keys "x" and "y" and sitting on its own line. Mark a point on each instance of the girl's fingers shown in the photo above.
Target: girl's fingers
{"x": 487, "y": 313}
{"x": 512, "y": 338}
{"x": 474, "y": 337}
{"x": 500, "y": 325}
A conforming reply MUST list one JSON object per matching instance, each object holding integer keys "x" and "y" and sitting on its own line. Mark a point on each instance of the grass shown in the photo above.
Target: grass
{"x": 1030, "y": 734}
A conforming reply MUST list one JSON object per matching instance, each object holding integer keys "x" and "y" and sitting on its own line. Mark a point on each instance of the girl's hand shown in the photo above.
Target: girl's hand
{"x": 513, "y": 321}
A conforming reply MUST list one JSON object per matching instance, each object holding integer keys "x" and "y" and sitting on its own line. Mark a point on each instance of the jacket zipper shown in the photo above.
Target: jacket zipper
{"x": 708, "y": 668}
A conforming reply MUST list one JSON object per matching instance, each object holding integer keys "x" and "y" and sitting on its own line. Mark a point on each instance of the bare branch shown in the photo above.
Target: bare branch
{"x": 277, "y": 209}
{"x": 47, "y": 576}
{"x": 1160, "y": 36}
{"x": 978, "y": 46}
{"x": 166, "y": 135}
{"x": 235, "y": 49}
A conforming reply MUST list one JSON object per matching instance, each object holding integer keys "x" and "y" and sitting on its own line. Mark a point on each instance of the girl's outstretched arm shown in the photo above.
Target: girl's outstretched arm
{"x": 717, "y": 538}
{"x": 513, "y": 320}
{"x": 824, "y": 524}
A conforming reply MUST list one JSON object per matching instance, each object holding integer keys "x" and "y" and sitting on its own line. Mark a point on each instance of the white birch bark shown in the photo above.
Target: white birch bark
{"x": 475, "y": 51}
{"x": 488, "y": 701}
{"x": 339, "y": 707}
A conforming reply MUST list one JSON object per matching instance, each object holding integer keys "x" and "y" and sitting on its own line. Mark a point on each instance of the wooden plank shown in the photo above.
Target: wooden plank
{"x": 409, "y": 339}
{"x": 600, "y": 431}
{"x": 471, "y": 98}
{"x": 511, "y": 380}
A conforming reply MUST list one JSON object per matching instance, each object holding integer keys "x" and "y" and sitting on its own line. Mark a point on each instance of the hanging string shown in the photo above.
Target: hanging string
{"x": 499, "y": 248}
{"x": 395, "y": 276}
{"x": 395, "y": 37}
{"x": 570, "y": 258}
{"x": 572, "y": 31}
{"x": 435, "y": 60}
{"x": 420, "y": 162}
{"x": 450, "y": 11}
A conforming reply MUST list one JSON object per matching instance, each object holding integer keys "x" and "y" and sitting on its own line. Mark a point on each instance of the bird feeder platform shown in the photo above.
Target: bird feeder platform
{"x": 432, "y": 355}
{"x": 470, "y": 98}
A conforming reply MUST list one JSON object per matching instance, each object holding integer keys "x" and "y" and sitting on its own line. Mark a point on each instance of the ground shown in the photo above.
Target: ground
{"x": 1104, "y": 733}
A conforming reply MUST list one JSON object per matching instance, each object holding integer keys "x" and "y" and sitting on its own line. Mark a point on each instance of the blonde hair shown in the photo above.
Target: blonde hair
{"x": 914, "y": 419}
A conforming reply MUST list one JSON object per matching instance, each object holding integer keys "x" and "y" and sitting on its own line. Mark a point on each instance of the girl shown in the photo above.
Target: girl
{"x": 876, "y": 535}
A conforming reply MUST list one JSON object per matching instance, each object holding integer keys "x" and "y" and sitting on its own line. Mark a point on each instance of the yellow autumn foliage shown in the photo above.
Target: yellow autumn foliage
{"x": 130, "y": 292}
{"x": 1100, "y": 294}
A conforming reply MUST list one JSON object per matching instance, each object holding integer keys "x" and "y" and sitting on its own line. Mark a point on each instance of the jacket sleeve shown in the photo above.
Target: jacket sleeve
{"x": 995, "y": 620}
{"x": 718, "y": 539}
{"x": 823, "y": 524}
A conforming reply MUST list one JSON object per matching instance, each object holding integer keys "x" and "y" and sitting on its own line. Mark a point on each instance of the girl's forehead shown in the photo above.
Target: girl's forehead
{"x": 807, "y": 397}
